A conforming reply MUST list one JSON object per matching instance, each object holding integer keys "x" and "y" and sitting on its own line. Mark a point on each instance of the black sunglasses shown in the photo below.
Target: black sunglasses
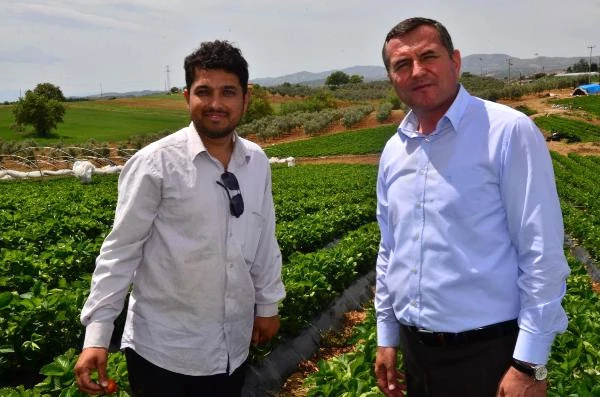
{"x": 230, "y": 183}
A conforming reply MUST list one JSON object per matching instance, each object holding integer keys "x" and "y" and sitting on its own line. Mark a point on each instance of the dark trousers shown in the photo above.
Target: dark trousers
{"x": 471, "y": 370}
{"x": 149, "y": 380}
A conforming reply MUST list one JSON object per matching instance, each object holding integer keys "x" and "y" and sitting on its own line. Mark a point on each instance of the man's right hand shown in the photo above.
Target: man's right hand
{"x": 92, "y": 359}
{"x": 387, "y": 373}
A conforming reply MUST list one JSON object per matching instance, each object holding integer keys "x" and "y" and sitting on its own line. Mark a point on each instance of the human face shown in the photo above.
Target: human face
{"x": 423, "y": 73}
{"x": 216, "y": 102}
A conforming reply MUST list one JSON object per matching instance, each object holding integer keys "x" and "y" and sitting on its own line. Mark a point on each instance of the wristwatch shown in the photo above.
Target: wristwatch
{"x": 538, "y": 372}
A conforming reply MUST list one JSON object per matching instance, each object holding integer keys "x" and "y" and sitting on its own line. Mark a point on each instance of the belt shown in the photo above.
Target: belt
{"x": 444, "y": 339}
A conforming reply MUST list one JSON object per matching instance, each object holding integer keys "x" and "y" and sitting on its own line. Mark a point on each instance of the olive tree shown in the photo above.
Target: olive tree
{"x": 337, "y": 78}
{"x": 40, "y": 108}
{"x": 259, "y": 105}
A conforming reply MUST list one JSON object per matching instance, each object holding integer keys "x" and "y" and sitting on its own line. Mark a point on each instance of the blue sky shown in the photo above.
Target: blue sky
{"x": 89, "y": 46}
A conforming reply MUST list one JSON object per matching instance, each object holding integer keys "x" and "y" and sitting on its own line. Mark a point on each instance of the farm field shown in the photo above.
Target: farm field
{"x": 51, "y": 230}
{"x": 574, "y": 364}
{"x": 108, "y": 120}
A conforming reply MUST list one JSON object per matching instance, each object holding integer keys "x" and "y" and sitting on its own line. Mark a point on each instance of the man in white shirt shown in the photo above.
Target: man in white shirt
{"x": 194, "y": 237}
{"x": 471, "y": 270}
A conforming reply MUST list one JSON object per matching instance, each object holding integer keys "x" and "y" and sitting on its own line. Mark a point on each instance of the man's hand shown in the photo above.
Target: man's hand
{"x": 264, "y": 329}
{"x": 387, "y": 373}
{"x": 517, "y": 384}
{"x": 91, "y": 359}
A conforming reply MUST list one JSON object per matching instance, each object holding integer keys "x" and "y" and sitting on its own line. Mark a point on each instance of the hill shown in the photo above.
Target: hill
{"x": 492, "y": 65}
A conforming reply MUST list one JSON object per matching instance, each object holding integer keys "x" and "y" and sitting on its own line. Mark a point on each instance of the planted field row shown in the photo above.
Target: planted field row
{"x": 575, "y": 360}
{"x": 574, "y": 365}
{"x": 311, "y": 123}
{"x": 588, "y": 103}
{"x": 62, "y": 223}
{"x": 365, "y": 141}
{"x": 570, "y": 129}
{"x": 578, "y": 184}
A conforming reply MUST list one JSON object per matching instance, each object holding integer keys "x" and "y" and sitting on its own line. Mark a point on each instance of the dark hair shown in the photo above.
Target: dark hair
{"x": 410, "y": 24}
{"x": 216, "y": 55}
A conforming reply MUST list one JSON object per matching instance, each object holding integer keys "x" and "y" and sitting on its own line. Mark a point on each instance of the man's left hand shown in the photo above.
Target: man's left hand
{"x": 517, "y": 384}
{"x": 264, "y": 329}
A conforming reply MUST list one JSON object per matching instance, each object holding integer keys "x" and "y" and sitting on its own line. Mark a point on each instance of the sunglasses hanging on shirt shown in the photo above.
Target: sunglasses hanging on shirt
{"x": 230, "y": 183}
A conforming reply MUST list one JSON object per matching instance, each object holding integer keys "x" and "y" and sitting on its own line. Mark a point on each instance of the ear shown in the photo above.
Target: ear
{"x": 457, "y": 61}
{"x": 186, "y": 95}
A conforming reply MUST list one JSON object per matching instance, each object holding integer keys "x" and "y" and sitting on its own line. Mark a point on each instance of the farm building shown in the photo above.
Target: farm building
{"x": 587, "y": 89}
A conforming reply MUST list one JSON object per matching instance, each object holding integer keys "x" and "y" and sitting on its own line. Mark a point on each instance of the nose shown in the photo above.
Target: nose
{"x": 216, "y": 101}
{"x": 418, "y": 68}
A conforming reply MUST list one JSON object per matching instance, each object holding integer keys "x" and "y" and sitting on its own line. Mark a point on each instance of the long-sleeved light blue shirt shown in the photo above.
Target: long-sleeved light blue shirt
{"x": 199, "y": 274}
{"x": 471, "y": 228}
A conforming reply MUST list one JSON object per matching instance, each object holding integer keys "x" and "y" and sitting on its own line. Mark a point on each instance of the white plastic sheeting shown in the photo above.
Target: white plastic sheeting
{"x": 84, "y": 170}
{"x": 289, "y": 160}
{"x": 81, "y": 169}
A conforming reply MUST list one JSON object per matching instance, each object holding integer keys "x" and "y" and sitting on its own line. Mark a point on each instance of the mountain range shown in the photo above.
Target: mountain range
{"x": 493, "y": 65}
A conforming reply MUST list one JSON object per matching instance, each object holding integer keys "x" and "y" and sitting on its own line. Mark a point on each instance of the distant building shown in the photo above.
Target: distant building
{"x": 587, "y": 89}
{"x": 576, "y": 74}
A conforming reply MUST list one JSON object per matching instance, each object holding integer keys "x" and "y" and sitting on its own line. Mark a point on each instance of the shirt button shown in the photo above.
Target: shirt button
{"x": 416, "y": 237}
{"x": 413, "y": 270}
{"x": 231, "y": 265}
{"x": 414, "y": 303}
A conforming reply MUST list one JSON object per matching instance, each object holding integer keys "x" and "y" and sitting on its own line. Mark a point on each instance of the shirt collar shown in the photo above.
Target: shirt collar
{"x": 410, "y": 125}
{"x": 240, "y": 153}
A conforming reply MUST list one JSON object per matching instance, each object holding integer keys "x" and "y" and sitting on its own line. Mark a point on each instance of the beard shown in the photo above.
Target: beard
{"x": 214, "y": 133}
{"x": 207, "y": 129}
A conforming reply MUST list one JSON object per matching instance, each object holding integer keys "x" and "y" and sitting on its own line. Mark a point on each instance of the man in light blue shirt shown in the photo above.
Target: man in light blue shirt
{"x": 471, "y": 270}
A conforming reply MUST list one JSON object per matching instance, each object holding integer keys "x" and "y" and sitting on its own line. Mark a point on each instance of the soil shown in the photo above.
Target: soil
{"x": 334, "y": 344}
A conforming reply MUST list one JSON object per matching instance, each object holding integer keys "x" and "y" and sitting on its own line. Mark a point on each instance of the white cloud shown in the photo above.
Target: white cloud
{"x": 28, "y": 54}
{"x": 67, "y": 16}
{"x": 126, "y": 45}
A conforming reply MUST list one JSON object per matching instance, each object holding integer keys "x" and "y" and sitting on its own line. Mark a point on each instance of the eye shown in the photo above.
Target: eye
{"x": 202, "y": 92}
{"x": 429, "y": 56}
{"x": 229, "y": 92}
{"x": 401, "y": 65}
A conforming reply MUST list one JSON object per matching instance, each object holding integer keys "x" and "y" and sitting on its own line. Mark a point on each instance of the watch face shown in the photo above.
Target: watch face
{"x": 540, "y": 372}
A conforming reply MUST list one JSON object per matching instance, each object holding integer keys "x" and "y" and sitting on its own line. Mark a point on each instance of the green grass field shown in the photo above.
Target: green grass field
{"x": 590, "y": 104}
{"x": 365, "y": 141}
{"x": 585, "y": 132}
{"x": 107, "y": 120}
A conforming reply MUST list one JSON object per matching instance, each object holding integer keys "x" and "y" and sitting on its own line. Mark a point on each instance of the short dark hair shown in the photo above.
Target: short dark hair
{"x": 410, "y": 24}
{"x": 213, "y": 55}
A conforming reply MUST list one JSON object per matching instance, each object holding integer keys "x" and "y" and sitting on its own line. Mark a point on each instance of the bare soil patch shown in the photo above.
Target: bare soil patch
{"x": 334, "y": 344}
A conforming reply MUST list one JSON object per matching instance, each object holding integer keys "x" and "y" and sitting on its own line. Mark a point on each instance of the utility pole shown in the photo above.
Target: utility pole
{"x": 509, "y": 61}
{"x": 590, "y": 64}
{"x": 481, "y": 66}
{"x": 168, "y": 82}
